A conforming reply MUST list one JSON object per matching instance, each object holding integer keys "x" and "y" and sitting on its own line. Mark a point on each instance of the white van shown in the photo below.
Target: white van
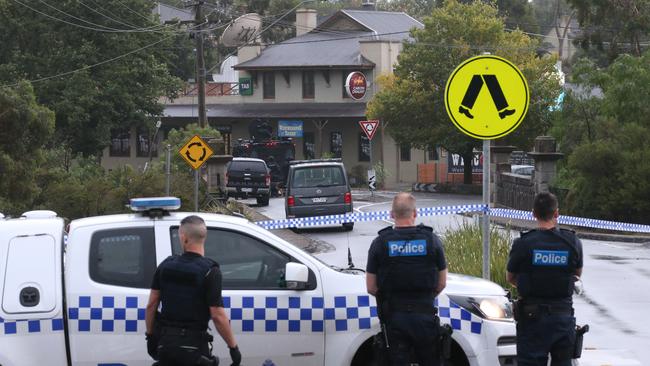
{"x": 83, "y": 303}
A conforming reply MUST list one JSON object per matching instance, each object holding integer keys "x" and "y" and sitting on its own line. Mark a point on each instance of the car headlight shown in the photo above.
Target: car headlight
{"x": 486, "y": 307}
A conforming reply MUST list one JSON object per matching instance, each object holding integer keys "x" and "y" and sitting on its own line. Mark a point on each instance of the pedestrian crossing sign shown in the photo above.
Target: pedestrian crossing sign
{"x": 487, "y": 97}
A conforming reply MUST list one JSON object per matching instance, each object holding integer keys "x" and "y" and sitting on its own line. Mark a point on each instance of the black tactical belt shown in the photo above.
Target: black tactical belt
{"x": 177, "y": 331}
{"x": 414, "y": 308}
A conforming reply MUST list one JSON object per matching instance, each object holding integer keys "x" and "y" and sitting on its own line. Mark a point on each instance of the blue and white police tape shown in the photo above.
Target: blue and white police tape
{"x": 573, "y": 221}
{"x": 363, "y": 216}
{"x": 448, "y": 210}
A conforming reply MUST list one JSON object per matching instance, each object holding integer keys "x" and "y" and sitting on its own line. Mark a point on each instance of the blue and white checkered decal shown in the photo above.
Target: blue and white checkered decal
{"x": 460, "y": 319}
{"x": 24, "y": 327}
{"x": 260, "y": 314}
{"x": 97, "y": 314}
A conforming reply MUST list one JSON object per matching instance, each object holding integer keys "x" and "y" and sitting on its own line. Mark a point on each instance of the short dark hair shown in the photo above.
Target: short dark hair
{"x": 544, "y": 205}
{"x": 193, "y": 220}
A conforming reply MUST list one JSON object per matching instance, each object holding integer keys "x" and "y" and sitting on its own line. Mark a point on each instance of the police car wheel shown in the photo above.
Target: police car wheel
{"x": 348, "y": 226}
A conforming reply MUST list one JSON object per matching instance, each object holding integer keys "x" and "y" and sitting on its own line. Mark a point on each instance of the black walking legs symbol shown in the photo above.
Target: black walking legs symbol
{"x": 474, "y": 88}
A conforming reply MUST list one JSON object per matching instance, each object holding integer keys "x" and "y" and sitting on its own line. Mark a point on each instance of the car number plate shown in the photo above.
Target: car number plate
{"x": 247, "y": 189}
{"x": 319, "y": 200}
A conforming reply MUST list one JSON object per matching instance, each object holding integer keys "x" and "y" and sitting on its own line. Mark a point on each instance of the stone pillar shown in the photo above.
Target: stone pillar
{"x": 546, "y": 156}
{"x": 499, "y": 162}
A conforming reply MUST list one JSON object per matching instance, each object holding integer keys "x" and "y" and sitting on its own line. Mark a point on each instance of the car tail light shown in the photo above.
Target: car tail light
{"x": 268, "y": 180}
{"x": 271, "y": 144}
{"x": 291, "y": 201}
{"x": 348, "y": 197}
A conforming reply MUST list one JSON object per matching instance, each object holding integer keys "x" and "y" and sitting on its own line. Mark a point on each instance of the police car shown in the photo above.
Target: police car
{"x": 81, "y": 300}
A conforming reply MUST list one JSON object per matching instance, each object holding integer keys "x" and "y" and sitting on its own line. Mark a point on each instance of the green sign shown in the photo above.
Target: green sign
{"x": 245, "y": 86}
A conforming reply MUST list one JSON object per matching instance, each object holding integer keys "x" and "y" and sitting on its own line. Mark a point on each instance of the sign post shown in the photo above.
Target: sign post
{"x": 486, "y": 114}
{"x": 196, "y": 152}
{"x": 369, "y": 128}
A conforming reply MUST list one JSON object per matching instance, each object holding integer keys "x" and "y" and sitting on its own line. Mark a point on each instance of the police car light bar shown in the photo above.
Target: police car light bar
{"x": 155, "y": 203}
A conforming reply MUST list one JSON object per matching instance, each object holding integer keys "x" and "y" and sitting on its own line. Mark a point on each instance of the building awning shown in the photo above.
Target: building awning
{"x": 270, "y": 110}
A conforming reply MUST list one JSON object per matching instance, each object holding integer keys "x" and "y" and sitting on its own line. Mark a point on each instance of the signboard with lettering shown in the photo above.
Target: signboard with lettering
{"x": 356, "y": 85}
{"x": 456, "y": 163}
{"x": 245, "y": 86}
{"x": 289, "y": 128}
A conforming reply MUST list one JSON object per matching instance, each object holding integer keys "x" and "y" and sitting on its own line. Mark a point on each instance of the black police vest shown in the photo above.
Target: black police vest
{"x": 550, "y": 264}
{"x": 407, "y": 268}
{"x": 183, "y": 291}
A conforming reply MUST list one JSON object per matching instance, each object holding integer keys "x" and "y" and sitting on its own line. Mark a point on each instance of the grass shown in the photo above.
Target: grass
{"x": 464, "y": 251}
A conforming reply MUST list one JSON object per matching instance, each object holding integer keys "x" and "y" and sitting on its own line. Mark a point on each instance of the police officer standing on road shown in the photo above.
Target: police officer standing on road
{"x": 406, "y": 270}
{"x": 543, "y": 265}
{"x": 189, "y": 288}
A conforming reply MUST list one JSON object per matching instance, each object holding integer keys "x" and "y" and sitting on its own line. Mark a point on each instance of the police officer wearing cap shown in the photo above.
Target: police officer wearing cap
{"x": 189, "y": 288}
{"x": 543, "y": 265}
{"x": 406, "y": 270}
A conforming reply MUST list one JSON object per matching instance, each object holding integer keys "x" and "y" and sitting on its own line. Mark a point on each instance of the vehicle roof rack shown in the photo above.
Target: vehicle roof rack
{"x": 333, "y": 160}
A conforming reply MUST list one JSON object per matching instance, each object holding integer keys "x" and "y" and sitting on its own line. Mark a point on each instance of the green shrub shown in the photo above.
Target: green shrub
{"x": 464, "y": 251}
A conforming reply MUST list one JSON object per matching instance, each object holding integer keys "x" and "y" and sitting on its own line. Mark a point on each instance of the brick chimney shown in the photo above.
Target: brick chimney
{"x": 306, "y": 20}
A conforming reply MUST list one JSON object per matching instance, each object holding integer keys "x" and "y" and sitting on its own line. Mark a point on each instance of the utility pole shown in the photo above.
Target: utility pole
{"x": 200, "y": 62}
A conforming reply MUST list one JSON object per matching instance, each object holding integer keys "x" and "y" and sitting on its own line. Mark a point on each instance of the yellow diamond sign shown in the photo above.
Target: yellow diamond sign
{"x": 487, "y": 97}
{"x": 195, "y": 152}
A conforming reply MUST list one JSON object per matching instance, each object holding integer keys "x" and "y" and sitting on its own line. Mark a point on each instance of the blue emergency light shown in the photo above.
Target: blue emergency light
{"x": 155, "y": 203}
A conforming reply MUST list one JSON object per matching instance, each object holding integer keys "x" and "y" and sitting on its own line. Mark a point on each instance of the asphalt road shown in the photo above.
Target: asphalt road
{"x": 616, "y": 278}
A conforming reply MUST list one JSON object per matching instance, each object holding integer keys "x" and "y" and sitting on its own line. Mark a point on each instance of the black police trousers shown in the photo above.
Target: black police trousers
{"x": 413, "y": 334}
{"x": 547, "y": 333}
{"x": 178, "y": 348}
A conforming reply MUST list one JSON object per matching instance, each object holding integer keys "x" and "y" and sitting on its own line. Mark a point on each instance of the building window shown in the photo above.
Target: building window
{"x": 123, "y": 257}
{"x": 336, "y": 143}
{"x": 246, "y": 262}
{"x": 143, "y": 144}
{"x": 364, "y": 147}
{"x": 309, "y": 146}
{"x": 405, "y": 152}
{"x": 120, "y": 143}
{"x": 308, "y": 85}
{"x": 433, "y": 153}
{"x": 269, "y": 85}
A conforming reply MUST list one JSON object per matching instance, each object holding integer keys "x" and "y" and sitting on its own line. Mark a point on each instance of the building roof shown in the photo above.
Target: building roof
{"x": 335, "y": 42}
{"x": 270, "y": 110}
{"x": 315, "y": 50}
{"x": 168, "y": 13}
{"x": 384, "y": 24}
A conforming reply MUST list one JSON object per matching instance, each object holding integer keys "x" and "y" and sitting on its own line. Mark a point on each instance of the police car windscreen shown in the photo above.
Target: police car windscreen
{"x": 325, "y": 176}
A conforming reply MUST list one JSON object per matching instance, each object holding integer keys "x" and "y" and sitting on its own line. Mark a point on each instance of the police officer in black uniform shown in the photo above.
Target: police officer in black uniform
{"x": 406, "y": 270}
{"x": 189, "y": 288}
{"x": 543, "y": 265}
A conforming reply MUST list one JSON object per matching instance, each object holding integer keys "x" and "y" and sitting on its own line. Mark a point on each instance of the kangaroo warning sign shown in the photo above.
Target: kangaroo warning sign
{"x": 487, "y": 97}
{"x": 195, "y": 152}
{"x": 369, "y": 127}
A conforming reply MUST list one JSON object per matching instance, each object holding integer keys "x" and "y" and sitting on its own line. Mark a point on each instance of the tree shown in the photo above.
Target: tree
{"x": 120, "y": 37}
{"x": 605, "y": 138}
{"x": 412, "y": 101}
{"x": 26, "y": 127}
{"x": 613, "y": 27}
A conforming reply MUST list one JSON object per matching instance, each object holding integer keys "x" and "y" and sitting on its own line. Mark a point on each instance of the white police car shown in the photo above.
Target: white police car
{"x": 83, "y": 303}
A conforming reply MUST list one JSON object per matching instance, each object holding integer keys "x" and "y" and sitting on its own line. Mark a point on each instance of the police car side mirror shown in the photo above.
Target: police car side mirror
{"x": 296, "y": 276}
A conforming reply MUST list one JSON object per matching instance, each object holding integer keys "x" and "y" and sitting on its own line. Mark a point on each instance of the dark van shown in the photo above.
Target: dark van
{"x": 318, "y": 188}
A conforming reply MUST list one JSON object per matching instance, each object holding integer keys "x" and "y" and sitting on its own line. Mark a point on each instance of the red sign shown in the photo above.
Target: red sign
{"x": 356, "y": 85}
{"x": 369, "y": 127}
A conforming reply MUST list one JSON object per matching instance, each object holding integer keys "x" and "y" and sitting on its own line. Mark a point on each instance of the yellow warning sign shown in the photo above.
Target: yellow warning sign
{"x": 487, "y": 97}
{"x": 195, "y": 152}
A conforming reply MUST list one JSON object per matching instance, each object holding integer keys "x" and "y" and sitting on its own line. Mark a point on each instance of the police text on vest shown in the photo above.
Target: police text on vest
{"x": 407, "y": 248}
{"x": 550, "y": 258}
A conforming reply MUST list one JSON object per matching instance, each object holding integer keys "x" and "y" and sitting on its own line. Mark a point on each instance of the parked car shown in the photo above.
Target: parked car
{"x": 317, "y": 188}
{"x": 247, "y": 178}
{"x": 522, "y": 169}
